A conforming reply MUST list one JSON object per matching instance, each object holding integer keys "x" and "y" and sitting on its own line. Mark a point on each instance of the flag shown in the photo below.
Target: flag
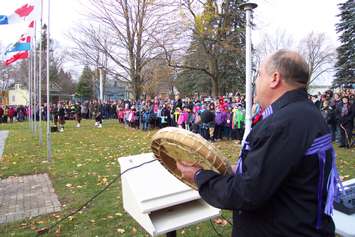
{"x": 23, "y": 44}
{"x": 32, "y": 24}
{"x": 17, "y": 56}
{"x": 25, "y": 39}
{"x": 18, "y": 47}
{"x": 23, "y": 13}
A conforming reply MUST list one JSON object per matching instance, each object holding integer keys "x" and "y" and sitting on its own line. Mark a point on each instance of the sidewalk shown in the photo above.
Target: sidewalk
{"x": 26, "y": 197}
{"x": 3, "y": 136}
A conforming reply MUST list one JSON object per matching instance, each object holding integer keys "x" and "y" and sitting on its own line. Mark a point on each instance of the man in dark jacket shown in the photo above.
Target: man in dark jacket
{"x": 207, "y": 122}
{"x": 328, "y": 113}
{"x": 346, "y": 117}
{"x": 280, "y": 185}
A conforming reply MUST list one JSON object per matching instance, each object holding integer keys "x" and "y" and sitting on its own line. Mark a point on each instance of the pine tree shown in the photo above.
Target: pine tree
{"x": 346, "y": 52}
{"x": 84, "y": 87}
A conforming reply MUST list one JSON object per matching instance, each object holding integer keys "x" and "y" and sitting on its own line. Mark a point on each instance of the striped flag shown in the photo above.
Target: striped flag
{"x": 17, "y": 56}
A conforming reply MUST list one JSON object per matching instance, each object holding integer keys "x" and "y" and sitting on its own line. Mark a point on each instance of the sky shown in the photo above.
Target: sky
{"x": 296, "y": 17}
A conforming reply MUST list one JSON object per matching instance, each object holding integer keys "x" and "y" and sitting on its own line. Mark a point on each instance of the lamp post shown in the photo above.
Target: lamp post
{"x": 248, "y": 8}
{"x": 101, "y": 83}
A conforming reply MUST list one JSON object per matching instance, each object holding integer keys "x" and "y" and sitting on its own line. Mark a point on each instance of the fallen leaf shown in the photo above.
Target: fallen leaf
{"x": 219, "y": 221}
{"x": 121, "y": 231}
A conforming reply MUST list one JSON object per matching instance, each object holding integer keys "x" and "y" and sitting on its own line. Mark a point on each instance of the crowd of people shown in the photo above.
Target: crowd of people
{"x": 338, "y": 110}
{"x": 11, "y": 113}
{"x": 213, "y": 118}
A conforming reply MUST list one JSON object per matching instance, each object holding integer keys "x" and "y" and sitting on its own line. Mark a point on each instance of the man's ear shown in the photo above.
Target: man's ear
{"x": 275, "y": 80}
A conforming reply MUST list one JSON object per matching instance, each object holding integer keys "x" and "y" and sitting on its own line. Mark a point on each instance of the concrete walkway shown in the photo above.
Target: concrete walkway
{"x": 3, "y": 136}
{"x": 26, "y": 197}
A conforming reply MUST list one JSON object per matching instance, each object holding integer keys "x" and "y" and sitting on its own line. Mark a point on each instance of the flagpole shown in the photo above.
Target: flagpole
{"x": 40, "y": 78}
{"x": 33, "y": 92}
{"x": 29, "y": 93}
{"x": 34, "y": 50}
{"x": 49, "y": 155}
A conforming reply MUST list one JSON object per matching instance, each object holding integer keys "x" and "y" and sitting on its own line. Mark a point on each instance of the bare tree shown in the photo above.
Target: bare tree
{"x": 125, "y": 33}
{"x": 269, "y": 44}
{"x": 7, "y": 73}
{"x": 319, "y": 54}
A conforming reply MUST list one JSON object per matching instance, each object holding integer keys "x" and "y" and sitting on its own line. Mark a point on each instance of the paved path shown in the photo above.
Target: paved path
{"x": 3, "y": 136}
{"x": 26, "y": 196}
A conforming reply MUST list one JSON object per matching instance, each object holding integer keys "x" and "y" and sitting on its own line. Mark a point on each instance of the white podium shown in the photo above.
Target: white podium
{"x": 157, "y": 200}
{"x": 344, "y": 224}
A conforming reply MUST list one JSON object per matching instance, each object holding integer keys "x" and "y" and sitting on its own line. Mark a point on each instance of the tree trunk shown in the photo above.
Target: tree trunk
{"x": 213, "y": 69}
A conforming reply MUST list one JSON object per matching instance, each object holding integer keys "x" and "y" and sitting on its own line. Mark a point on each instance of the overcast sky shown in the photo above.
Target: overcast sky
{"x": 296, "y": 17}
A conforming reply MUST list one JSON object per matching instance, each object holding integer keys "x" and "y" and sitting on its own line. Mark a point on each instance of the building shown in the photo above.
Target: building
{"x": 315, "y": 89}
{"x": 18, "y": 96}
{"x": 4, "y": 98}
{"x": 56, "y": 93}
{"x": 113, "y": 90}
{"x": 159, "y": 79}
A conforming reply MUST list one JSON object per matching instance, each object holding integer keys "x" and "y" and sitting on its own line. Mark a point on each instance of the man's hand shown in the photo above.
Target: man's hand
{"x": 234, "y": 169}
{"x": 188, "y": 172}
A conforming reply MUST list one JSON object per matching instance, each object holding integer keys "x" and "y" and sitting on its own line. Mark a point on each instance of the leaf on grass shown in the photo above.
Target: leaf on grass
{"x": 219, "y": 221}
{"x": 58, "y": 231}
{"x": 121, "y": 231}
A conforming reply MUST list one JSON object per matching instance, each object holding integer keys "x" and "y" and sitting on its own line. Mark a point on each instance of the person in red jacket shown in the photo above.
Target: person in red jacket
{"x": 12, "y": 112}
{"x": 1, "y": 113}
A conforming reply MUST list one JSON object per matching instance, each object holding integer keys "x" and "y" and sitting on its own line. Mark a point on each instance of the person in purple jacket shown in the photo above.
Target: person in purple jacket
{"x": 220, "y": 120}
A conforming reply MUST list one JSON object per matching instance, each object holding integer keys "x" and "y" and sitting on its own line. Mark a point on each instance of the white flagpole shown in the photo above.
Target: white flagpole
{"x": 248, "y": 8}
{"x": 34, "y": 50}
{"x": 31, "y": 88}
{"x": 40, "y": 78}
{"x": 49, "y": 154}
{"x": 29, "y": 93}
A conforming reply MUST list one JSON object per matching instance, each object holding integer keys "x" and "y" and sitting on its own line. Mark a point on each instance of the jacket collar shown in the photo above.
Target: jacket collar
{"x": 288, "y": 98}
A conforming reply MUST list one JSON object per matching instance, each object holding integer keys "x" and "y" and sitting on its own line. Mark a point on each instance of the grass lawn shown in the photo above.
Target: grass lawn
{"x": 84, "y": 161}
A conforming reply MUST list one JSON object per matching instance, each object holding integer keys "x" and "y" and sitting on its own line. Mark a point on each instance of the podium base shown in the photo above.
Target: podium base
{"x": 171, "y": 234}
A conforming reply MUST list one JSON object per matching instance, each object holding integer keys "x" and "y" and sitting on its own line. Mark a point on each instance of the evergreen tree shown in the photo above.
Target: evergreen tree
{"x": 346, "y": 51}
{"x": 85, "y": 85}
